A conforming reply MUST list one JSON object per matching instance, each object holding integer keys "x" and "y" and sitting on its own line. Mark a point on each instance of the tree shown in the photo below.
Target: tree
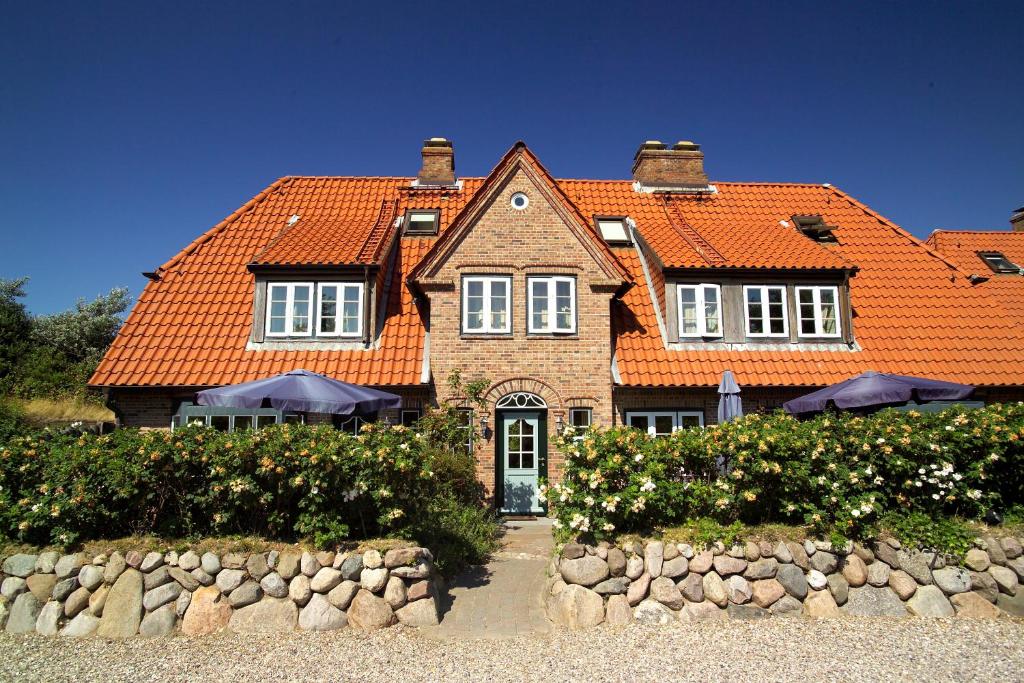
{"x": 85, "y": 332}
{"x": 15, "y": 324}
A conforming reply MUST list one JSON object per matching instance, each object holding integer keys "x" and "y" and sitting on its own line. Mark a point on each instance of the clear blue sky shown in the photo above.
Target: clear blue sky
{"x": 127, "y": 129}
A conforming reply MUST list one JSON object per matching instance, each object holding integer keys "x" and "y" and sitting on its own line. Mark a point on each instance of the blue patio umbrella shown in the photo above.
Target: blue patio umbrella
{"x": 301, "y": 391}
{"x": 730, "y": 406}
{"x": 875, "y": 390}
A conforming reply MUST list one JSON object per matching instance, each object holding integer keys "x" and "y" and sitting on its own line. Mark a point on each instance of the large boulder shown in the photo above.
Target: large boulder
{"x": 787, "y": 606}
{"x": 984, "y": 585}
{"x": 320, "y": 615}
{"x": 973, "y": 605}
{"x": 767, "y": 592}
{"x": 663, "y": 589}
{"x": 726, "y": 565}
{"x": 799, "y": 554}
{"x": 98, "y": 600}
{"x": 761, "y": 569}
{"x": 115, "y": 567}
{"x": 373, "y": 580}
{"x": 820, "y": 603}
{"x": 929, "y": 601}
{"x": 618, "y": 611}
{"x": 41, "y": 585}
{"x": 257, "y": 565}
{"x": 702, "y": 611}
{"x": 634, "y": 567}
{"x": 13, "y": 586}
{"x": 24, "y": 613}
{"x": 917, "y": 564}
{"x": 210, "y": 563}
{"x": 189, "y": 561}
{"x": 1005, "y": 579}
{"x": 230, "y": 579}
{"x": 747, "y": 612}
{"x": 839, "y": 588}
{"x": 952, "y": 580}
{"x": 49, "y": 618}
{"x": 614, "y": 586}
{"x": 76, "y": 602}
{"x": 654, "y": 558}
{"x": 20, "y": 565}
{"x": 122, "y": 612}
{"x": 977, "y": 560}
{"x": 90, "y": 576}
{"x": 161, "y": 595}
{"x": 82, "y": 626}
{"x": 715, "y": 590}
{"x": 1011, "y": 547}
{"x": 246, "y": 594}
{"x": 872, "y": 601}
{"x": 63, "y": 588}
{"x": 676, "y": 567}
{"x": 653, "y": 612}
{"x": 824, "y": 562}
{"x": 739, "y": 590}
{"x": 159, "y": 622}
{"x": 617, "y": 565}
{"x": 395, "y": 593}
{"x": 342, "y": 594}
{"x": 299, "y": 590}
{"x": 274, "y": 586}
{"x": 793, "y": 580}
{"x": 637, "y": 590}
{"x": 369, "y": 613}
{"x": 855, "y": 571}
{"x": 878, "y": 574}
{"x": 575, "y": 607}
{"x": 187, "y": 580}
{"x": 270, "y": 615}
{"x": 692, "y": 587}
{"x": 325, "y": 579}
{"x": 151, "y": 561}
{"x": 702, "y": 561}
{"x": 407, "y": 557}
{"x": 208, "y": 612}
{"x": 903, "y": 584}
{"x": 47, "y": 562}
{"x": 419, "y": 613}
{"x": 1011, "y": 604}
{"x": 588, "y": 570}
{"x": 69, "y": 565}
{"x": 288, "y": 565}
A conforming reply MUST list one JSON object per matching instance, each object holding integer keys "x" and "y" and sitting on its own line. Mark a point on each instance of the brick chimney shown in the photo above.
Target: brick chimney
{"x": 679, "y": 166}
{"x": 438, "y": 163}
{"x": 1017, "y": 220}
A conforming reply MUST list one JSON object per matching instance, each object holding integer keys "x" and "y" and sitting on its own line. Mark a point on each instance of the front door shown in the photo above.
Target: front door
{"x": 522, "y": 444}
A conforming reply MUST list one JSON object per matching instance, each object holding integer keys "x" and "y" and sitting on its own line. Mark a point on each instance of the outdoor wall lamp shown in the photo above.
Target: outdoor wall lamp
{"x": 483, "y": 422}
{"x": 559, "y": 426}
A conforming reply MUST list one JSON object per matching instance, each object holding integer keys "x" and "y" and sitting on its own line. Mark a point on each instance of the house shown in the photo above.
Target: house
{"x": 582, "y": 301}
{"x": 995, "y": 260}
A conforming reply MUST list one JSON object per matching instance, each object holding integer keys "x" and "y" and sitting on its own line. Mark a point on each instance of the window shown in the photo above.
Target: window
{"x": 664, "y": 422}
{"x": 229, "y": 419}
{"x": 340, "y": 309}
{"x": 421, "y": 222}
{"x": 410, "y": 417}
{"x": 552, "y": 303}
{"x": 766, "y": 311}
{"x": 351, "y": 425}
{"x": 520, "y": 201}
{"x": 485, "y": 305}
{"x": 288, "y": 310}
{"x": 580, "y": 417}
{"x": 613, "y": 229}
{"x": 999, "y": 263}
{"x": 817, "y": 311}
{"x": 700, "y": 311}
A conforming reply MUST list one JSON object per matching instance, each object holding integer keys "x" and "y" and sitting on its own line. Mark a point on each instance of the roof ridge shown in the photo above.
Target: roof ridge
{"x": 898, "y": 230}
{"x": 194, "y": 245}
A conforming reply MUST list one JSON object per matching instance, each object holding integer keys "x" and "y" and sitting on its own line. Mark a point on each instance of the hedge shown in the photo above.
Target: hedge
{"x": 836, "y": 473}
{"x": 282, "y": 482}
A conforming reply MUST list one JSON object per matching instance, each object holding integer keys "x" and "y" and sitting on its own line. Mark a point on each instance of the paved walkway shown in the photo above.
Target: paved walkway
{"x": 501, "y": 599}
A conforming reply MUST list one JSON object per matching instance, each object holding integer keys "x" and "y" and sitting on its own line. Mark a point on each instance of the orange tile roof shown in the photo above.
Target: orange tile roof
{"x": 915, "y": 312}
{"x": 962, "y": 247}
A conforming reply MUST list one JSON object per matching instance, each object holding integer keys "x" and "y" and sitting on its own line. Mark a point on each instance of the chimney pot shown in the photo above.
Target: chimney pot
{"x": 438, "y": 162}
{"x": 655, "y": 165}
{"x": 1017, "y": 220}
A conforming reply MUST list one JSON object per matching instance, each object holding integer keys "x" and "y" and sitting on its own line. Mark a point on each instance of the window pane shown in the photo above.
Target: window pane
{"x": 278, "y": 293}
{"x": 219, "y": 422}
{"x": 196, "y": 420}
{"x": 293, "y": 419}
{"x": 563, "y": 304}
{"x": 475, "y": 306}
{"x": 807, "y": 323}
{"x": 776, "y": 311}
{"x": 300, "y": 310}
{"x": 540, "y": 304}
{"x": 527, "y": 457}
{"x": 499, "y": 304}
{"x": 580, "y": 417}
{"x": 711, "y": 310}
{"x": 806, "y": 296}
{"x": 265, "y": 421}
{"x": 350, "y": 313}
{"x": 663, "y": 424}
{"x": 243, "y": 422}
{"x": 689, "y": 318}
{"x": 689, "y": 421}
{"x": 612, "y": 231}
{"x": 410, "y": 417}
{"x": 638, "y": 421}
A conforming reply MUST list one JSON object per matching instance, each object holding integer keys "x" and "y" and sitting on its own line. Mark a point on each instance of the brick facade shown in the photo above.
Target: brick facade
{"x": 565, "y": 370}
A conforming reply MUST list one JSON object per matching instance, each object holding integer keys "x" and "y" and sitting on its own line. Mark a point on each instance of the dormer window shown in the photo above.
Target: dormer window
{"x": 289, "y": 310}
{"x": 817, "y": 310}
{"x": 314, "y": 309}
{"x": 700, "y": 311}
{"x": 421, "y": 221}
{"x": 613, "y": 230}
{"x": 999, "y": 263}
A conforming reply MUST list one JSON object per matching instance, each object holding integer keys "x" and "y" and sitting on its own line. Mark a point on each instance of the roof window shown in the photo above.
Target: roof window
{"x": 999, "y": 263}
{"x": 421, "y": 222}
{"x": 813, "y": 226}
{"x": 613, "y": 230}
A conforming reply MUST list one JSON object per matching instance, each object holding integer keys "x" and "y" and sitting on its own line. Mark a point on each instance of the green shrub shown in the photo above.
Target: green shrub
{"x": 12, "y": 421}
{"x": 950, "y": 536}
{"x": 837, "y": 473}
{"x": 282, "y": 482}
{"x": 458, "y": 533}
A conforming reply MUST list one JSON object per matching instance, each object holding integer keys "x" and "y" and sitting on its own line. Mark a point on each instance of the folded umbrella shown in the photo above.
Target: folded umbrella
{"x": 730, "y": 405}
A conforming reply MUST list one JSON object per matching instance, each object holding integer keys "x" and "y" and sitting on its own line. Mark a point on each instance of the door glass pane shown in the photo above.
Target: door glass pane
{"x": 663, "y": 424}
{"x": 243, "y": 422}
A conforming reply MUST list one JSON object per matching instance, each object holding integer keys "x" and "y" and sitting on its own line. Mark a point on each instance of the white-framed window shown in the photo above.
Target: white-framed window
{"x": 465, "y": 416}
{"x": 765, "y": 310}
{"x": 700, "y": 310}
{"x": 664, "y": 422}
{"x": 551, "y": 304}
{"x": 485, "y": 305}
{"x": 817, "y": 312}
{"x": 340, "y": 309}
{"x": 289, "y": 309}
{"x": 580, "y": 420}
{"x": 613, "y": 229}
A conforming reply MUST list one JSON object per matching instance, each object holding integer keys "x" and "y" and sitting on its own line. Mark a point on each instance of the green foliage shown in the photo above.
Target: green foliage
{"x": 950, "y": 536}
{"x": 282, "y": 482}
{"x": 836, "y": 473}
{"x": 12, "y": 421}
{"x": 458, "y": 533}
{"x": 15, "y": 324}
{"x": 85, "y": 331}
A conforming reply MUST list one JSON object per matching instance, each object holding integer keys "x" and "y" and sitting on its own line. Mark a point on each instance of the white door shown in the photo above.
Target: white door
{"x": 520, "y": 433}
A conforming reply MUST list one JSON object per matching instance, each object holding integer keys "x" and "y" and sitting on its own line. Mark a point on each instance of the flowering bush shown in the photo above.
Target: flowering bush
{"x": 286, "y": 481}
{"x": 836, "y": 473}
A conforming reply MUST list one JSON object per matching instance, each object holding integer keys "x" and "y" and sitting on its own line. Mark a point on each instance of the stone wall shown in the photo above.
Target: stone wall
{"x": 662, "y": 582}
{"x": 156, "y": 594}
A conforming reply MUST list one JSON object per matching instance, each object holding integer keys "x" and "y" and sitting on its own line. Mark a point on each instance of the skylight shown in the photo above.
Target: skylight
{"x": 421, "y": 222}
{"x": 613, "y": 229}
{"x": 814, "y": 227}
{"x": 999, "y": 263}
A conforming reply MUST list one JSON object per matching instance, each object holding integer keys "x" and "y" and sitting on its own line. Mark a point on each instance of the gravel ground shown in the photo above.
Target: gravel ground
{"x": 790, "y": 649}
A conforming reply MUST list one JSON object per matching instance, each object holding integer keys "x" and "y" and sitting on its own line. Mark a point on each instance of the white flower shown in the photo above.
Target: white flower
{"x": 921, "y": 471}
{"x": 935, "y": 496}
{"x": 949, "y": 428}
{"x": 556, "y": 524}
{"x": 609, "y": 527}
{"x": 638, "y": 457}
{"x": 880, "y": 441}
{"x": 878, "y": 480}
{"x": 589, "y": 501}
{"x": 974, "y": 494}
{"x": 917, "y": 483}
{"x": 855, "y": 512}
{"x": 648, "y": 486}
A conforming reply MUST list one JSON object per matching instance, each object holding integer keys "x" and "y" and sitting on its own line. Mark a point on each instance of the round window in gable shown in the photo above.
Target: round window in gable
{"x": 520, "y": 201}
